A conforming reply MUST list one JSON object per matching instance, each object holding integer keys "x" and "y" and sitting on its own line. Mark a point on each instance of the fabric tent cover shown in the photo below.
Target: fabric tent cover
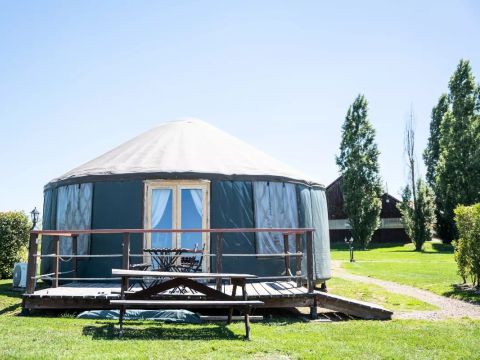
{"x": 188, "y": 146}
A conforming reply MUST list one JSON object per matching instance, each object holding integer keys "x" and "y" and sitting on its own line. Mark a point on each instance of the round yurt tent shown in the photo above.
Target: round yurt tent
{"x": 185, "y": 174}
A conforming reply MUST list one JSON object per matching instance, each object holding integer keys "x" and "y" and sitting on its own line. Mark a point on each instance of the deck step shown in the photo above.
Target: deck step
{"x": 234, "y": 318}
{"x": 353, "y": 307}
{"x": 187, "y": 303}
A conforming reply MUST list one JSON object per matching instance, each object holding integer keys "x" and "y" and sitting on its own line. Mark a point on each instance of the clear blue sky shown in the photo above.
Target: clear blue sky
{"x": 79, "y": 77}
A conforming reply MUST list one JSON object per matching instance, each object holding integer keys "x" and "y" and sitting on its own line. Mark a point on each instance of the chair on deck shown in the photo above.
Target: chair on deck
{"x": 189, "y": 264}
{"x": 165, "y": 259}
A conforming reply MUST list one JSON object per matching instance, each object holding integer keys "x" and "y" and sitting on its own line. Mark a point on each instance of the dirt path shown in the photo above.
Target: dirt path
{"x": 448, "y": 308}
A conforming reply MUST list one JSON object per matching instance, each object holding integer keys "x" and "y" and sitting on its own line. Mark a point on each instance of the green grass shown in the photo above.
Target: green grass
{"x": 35, "y": 337}
{"x": 433, "y": 269}
{"x": 377, "y": 295}
{"x": 9, "y": 300}
{"x": 62, "y": 337}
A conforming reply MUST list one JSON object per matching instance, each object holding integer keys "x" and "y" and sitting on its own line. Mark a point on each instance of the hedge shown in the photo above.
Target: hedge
{"x": 467, "y": 247}
{"x": 14, "y": 234}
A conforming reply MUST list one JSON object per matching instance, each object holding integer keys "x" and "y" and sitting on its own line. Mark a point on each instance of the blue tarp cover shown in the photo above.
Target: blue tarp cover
{"x": 169, "y": 316}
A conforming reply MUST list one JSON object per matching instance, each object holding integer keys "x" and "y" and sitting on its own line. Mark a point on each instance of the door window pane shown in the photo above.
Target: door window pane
{"x": 162, "y": 213}
{"x": 191, "y": 217}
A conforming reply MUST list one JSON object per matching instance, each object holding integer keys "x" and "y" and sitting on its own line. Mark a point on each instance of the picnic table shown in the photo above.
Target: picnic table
{"x": 148, "y": 297}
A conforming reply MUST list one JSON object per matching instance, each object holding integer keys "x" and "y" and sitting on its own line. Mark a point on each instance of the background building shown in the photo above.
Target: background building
{"x": 391, "y": 228}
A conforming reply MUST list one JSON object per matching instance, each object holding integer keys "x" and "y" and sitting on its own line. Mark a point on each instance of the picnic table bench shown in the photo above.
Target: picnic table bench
{"x": 145, "y": 298}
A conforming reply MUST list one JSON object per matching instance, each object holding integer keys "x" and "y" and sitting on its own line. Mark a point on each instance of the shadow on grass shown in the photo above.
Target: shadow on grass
{"x": 464, "y": 292}
{"x": 109, "y": 331}
{"x": 10, "y": 308}
{"x": 440, "y": 249}
{"x": 6, "y": 290}
{"x": 344, "y": 247}
{"x": 443, "y": 248}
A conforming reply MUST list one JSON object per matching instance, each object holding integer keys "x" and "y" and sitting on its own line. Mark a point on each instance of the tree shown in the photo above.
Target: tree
{"x": 458, "y": 167}
{"x": 418, "y": 201}
{"x": 418, "y": 219}
{"x": 432, "y": 152}
{"x": 358, "y": 163}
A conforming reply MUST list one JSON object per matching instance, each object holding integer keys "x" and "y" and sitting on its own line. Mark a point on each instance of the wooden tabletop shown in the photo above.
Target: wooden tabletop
{"x": 171, "y": 274}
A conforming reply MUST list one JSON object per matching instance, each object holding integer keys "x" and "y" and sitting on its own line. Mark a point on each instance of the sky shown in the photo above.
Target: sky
{"x": 80, "y": 77}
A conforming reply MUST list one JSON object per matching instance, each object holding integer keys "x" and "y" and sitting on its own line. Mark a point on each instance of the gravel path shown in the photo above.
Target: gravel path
{"x": 448, "y": 308}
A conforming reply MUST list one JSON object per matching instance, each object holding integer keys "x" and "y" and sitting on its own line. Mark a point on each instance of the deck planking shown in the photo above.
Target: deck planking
{"x": 274, "y": 294}
{"x": 112, "y": 291}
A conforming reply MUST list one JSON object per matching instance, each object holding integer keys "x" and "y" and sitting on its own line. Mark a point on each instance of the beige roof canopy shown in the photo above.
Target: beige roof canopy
{"x": 185, "y": 147}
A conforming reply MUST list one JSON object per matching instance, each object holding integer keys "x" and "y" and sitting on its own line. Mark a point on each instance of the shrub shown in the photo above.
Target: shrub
{"x": 14, "y": 234}
{"x": 467, "y": 247}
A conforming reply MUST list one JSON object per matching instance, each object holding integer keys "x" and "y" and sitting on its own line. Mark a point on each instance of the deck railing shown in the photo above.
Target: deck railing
{"x": 56, "y": 277}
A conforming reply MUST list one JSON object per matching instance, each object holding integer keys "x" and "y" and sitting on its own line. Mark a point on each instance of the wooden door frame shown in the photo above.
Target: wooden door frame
{"x": 176, "y": 186}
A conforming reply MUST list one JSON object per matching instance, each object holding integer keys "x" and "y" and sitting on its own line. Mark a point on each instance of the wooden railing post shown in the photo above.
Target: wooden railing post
{"x": 310, "y": 281}
{"x": 298, "y": 262}
{"x": 310, "y": 274}
{"x": 286, "y": 257}
{"x": 32, "y": 263}
{"x": 125, "y": 258}
{"x": 56, "y": 260}
{"x": 74, "y": 253}
{"x": 218, "y": 258}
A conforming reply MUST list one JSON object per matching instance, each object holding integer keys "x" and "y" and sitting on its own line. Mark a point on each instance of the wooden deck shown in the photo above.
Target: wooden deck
{"x": 81, "y": 295}
{"x": 274, "y": 294}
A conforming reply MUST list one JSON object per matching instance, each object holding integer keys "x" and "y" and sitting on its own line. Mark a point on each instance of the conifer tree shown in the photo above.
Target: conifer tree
{"x": 358, "y": 163}
{"x": 432, "y": 152}
{"x": 457, "y": 175}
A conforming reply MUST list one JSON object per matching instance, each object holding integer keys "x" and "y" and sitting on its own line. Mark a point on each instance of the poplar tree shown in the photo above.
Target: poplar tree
{"x": 432, "y": 152}
{"x": 358, "y": 163}
{"x": 418, "y": 202}
{"x": 457, "y": 175}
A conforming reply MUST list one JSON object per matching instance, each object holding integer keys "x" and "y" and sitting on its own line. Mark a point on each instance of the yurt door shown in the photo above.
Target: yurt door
{"x": 178, "y": 205}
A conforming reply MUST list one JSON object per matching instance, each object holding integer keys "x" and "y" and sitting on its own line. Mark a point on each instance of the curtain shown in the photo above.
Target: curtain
{"x": 48, "y": 223}
{"x": 275, "y": 206}
{"x": 74, "y": 212}
{"x": 160, "y": 199}
{"x": 322, "y": 235}
{"x": 47, "y": 217}
{"x": 197, "y": 200}
{"x": 313, "y": 204}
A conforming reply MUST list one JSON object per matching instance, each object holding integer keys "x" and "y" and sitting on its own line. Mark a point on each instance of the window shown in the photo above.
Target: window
{"x": 74, "y": 212}
{"x": 180, "y": 204}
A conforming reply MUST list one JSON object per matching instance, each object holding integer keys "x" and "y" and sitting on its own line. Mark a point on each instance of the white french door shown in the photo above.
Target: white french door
{"x": 179, "y": 204}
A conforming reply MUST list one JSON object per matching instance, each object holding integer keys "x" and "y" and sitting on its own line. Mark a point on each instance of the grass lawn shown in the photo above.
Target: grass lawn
{"x": 70, "y": 338}
{"x": 53, "y": 337}
{"x": 433, "y": 269}
{"x": 377, "y": 295}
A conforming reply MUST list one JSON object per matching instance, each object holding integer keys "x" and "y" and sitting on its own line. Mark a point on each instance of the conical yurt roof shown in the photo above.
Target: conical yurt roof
{"x": 188, "y": 148}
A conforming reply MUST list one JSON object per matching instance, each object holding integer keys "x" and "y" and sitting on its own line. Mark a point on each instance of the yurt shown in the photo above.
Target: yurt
{"x": 185, "y": 174}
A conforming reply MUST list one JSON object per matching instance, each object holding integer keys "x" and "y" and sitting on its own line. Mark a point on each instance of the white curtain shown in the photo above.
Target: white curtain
{"x": 321, "y": 236}
{"x": 314, "y": 204}
{"x": 197, "y": 200}
{"x": 275, "y": 206}
{"x": 74, "y": 212}
{"x": 160, "y": 199}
